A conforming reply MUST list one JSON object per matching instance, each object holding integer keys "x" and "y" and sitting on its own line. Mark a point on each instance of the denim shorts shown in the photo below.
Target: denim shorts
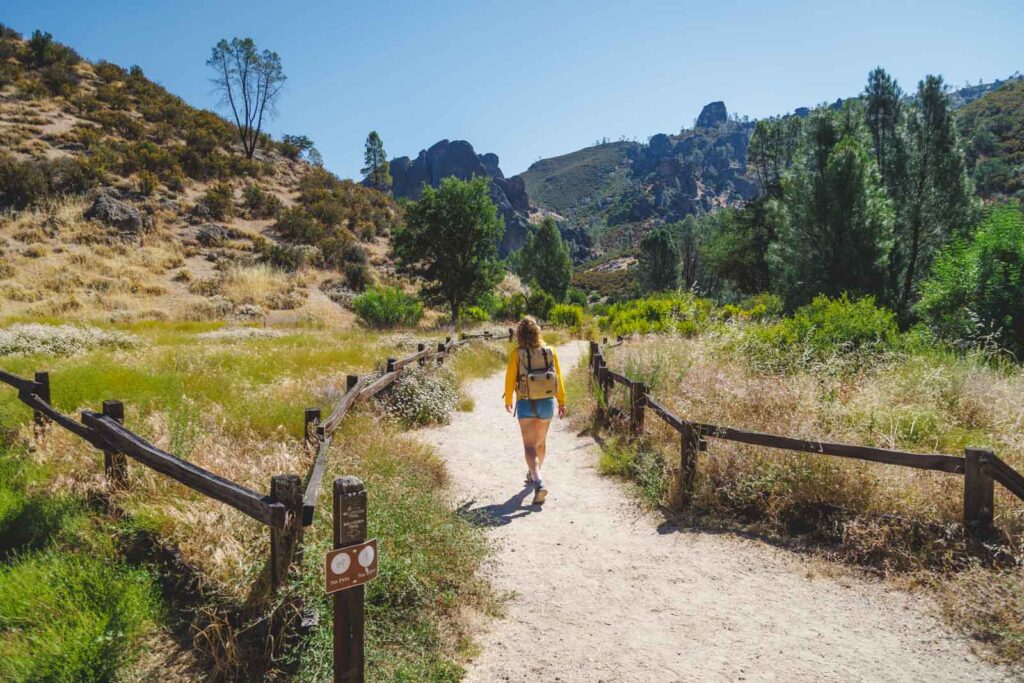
{"x": 545, "y": 408}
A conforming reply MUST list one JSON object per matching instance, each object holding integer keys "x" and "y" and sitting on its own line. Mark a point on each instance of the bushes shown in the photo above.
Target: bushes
{"x": 421, "y": 397}
{"x": 61, "y": 340}
{"x": 682, "y": 313}
{"x": 976, "y": 289}
{"x": 540, "y": 304}
{"x": 475, "y": 314}
{"x": 387, "y": 307}
{"x": 219, "y": 201}
{"x": 825, "y": 327}
{"x": 566, "y": 315}
{"x": 27, "y": 183}
{"x": 259, "y": 203}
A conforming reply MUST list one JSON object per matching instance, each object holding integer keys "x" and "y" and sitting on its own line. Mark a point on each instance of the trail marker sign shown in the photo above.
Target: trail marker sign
{"x": 351, "y": 566}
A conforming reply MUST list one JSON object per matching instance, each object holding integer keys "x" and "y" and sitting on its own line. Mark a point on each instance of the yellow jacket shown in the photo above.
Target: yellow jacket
{"x": 512, "y": 374}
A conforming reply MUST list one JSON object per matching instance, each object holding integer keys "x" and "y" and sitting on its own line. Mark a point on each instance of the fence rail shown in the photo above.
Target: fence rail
{"x": 287, "y": 508}
{"x": 979, "y": 467}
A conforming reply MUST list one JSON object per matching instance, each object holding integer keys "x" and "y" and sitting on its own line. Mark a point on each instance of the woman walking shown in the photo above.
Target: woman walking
{"x": 534, "y": 375}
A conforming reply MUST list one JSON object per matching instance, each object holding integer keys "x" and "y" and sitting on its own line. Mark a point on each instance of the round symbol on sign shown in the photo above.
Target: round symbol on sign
{"x": 366, "y": 556}
{"x": 340, "y": 563}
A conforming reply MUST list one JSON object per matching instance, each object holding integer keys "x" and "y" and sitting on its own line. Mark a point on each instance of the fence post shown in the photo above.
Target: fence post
{"x": 978, "y": 495}
{"x": 311, "y": 420}
{"x": 390, "y": 366}
{"x": 350, "y": 382}
{"x": 440, "y": 353}
{"x": 688, "y": 448}
{"x": 42, "y": 380}
{"x": 420, "y": 348}
{"x": 511, "y": 333}
{"x": 593, "y": 355}
{"x": 285, "y": 489}
{"x": 349, "y": 529}
{"x": 605, "y": 341}
{"x": 637, "y": 398}
{"x": 602, "y": 405}
{"x": 115, "y": 465}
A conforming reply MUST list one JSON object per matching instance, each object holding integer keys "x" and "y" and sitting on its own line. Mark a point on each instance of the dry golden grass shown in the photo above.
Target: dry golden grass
{"x": 891, "y": 518}
{"x": 261, "y": 285}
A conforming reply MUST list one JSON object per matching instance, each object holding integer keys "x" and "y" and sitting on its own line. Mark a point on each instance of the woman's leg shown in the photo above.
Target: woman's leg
{"x": 542, "y": 441}
{"x": 529, "y": 427}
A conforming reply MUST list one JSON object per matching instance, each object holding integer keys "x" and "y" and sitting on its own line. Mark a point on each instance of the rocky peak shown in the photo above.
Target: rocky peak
{"x": 712, "y": 114}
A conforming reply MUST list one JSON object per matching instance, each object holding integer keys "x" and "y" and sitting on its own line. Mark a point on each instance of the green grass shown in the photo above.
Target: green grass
{"x": 428, "y": 557}
{"x": 69, "y": 609}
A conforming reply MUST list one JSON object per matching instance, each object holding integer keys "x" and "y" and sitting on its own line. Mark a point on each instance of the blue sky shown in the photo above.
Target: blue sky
{"x": 532, "y": 79}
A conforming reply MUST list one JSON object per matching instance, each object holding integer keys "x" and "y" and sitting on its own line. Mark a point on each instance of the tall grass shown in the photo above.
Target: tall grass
{"x": 893, "y": 519}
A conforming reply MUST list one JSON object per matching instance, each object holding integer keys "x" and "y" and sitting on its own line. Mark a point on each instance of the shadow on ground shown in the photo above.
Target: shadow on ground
{"x": 498, "y": 514}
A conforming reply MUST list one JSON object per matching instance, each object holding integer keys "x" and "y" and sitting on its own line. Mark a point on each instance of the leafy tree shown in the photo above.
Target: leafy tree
{"x": 976, "y": 288}
{"x": 659, "y": 262}
{"x": 450, "y": 240}
{"x": 377, "y": 170}
{"x": 294, "y": 146}
{"x": 540, "y": 304}
{"x": 250, "y": 82}
{"x": 545, "y": 259}
{"x": 833, "y": 218}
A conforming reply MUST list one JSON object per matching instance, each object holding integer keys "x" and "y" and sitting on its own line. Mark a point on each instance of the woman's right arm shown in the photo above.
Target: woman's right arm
{"x": 510, "y": 377}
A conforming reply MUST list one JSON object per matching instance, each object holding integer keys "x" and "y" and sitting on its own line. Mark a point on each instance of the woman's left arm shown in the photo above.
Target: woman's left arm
{"x": 560, "y": 394}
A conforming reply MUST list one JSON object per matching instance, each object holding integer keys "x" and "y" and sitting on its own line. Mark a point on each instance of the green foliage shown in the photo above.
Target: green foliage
{"x": 681, "y": 313}
{"x": 659, "y": 262}
{"x": 219, "y": 201}
{"x": 387, "y": 307}
{"x": 515, "y": 308}
{"x": 148, "y": 182}
{"x": 450, "y": 240}
{"x": 475, "y": 314}
{"x": 545, "y": 259}
{"x": 736, "y": 245}
{"x": 576, "y": 296}
{"x": 821, "y": 329}
{"x": 976, "y": 288}
{"x": 566, "y": 315}
{"x": 539, "y": 304}
{"x": 358, "y": 276}
{"x": 833, "y": 218}
{"x": 293, "y": 146}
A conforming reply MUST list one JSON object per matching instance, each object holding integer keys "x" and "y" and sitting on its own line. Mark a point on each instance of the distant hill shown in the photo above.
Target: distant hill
{"x": 617, "y": 191}
{"x": 992, "y": 128}
{"x": 458, "y": 159}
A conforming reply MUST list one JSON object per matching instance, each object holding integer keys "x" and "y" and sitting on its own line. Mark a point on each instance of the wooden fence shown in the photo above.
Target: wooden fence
{"x": 287, "y": 508}
{"x": 979, "y": 467}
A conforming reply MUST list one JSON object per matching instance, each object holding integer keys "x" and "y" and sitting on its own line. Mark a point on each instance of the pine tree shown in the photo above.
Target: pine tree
{"x": 938, "y": 202}
{"x": 833, "y": 218}
{"x": 377, "y": 170}
{"x": 884, "y": 116}
{"x": 659, "y": 262}
{"x": 545, "y": 259}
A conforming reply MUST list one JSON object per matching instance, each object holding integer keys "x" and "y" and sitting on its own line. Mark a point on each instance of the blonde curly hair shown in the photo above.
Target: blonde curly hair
{"x": 528, "y": 333}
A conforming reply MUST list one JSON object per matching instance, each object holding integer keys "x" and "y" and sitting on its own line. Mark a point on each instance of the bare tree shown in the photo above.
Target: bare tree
{"x": 249, "y": 81}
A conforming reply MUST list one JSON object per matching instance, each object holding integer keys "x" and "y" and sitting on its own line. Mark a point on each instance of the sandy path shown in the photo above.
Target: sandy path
{"x": 599, "y": 594}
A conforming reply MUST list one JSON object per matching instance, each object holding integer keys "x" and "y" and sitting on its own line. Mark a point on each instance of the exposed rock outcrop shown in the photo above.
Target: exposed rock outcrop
{"x": 115, "y": 213}
{"x": 712, "y": 114}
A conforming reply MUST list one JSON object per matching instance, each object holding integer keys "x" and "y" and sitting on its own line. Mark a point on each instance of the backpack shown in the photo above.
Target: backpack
{"x": 537, "y": 376}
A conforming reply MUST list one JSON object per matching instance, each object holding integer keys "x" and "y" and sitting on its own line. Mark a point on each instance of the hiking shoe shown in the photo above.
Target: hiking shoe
{"x": 539, "y": 495}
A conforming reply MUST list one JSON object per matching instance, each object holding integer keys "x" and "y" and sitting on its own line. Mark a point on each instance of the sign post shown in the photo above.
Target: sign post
{"x": 352, "y": 563}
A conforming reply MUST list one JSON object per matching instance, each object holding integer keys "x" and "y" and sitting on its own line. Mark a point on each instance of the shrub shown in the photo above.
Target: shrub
{"x": 387, "y": 307}
{"x": 358, "y": 276}
{"x": 61, "y": 340}
{"x": 576, "y": 296}
{"x": 259, "y": 203}
{"x": 219, "y": 201}
{"x": 421, "y": 397}
{"x": 825, "y": 327}
{"x": 296, "y": 225}
{"x": 566, "y": 315}
{"x": 976, "y": 289}
{"x": 515, "y": 308}
{"x": 540, "y": 304}
{"x": 681, "y": 313}
{"x": 148, "y": 183}
{"x": 475, "y": 314}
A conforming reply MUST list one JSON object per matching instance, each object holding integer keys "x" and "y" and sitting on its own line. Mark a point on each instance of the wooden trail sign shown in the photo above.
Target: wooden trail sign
{"x": 350, "y": 567}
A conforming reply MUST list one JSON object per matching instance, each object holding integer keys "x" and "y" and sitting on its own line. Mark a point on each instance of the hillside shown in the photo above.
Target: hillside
{"x": 617, "y": 191}
{"x": 123, "y": 202}
{"x": 993, "y": 130}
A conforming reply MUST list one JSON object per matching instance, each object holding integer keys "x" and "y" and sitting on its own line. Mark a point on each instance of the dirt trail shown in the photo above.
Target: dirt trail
{"x": 600, "y": 593}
